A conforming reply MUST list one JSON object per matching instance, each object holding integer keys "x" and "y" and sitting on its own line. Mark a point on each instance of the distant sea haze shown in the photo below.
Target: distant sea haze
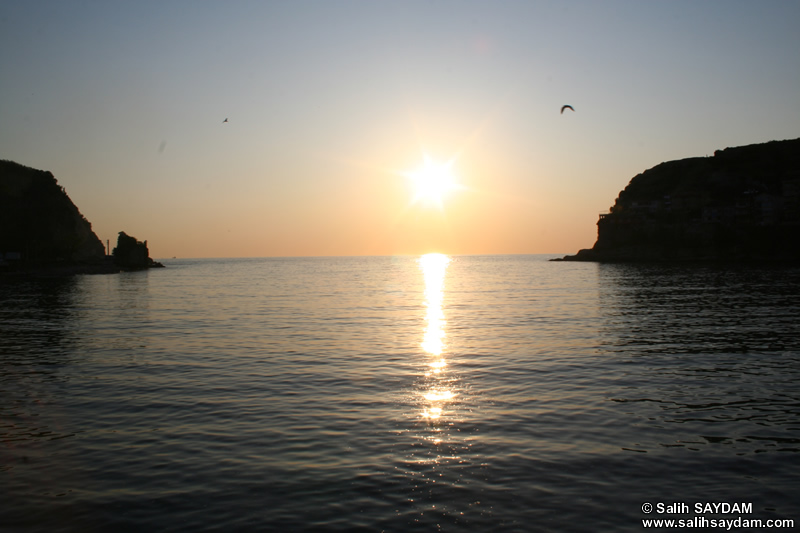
{"x": 434, "y": 393}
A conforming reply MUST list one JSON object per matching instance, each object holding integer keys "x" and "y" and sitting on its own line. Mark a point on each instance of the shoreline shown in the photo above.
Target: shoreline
{"x": 61, "y": 270}
{"x": 676, "y": 257}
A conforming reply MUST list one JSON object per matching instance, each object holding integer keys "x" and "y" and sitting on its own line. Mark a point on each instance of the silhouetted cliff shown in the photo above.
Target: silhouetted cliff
{"x": 741, "y": 204}
{"x": 38, "y": 220}
{"x": 43, "y": 232}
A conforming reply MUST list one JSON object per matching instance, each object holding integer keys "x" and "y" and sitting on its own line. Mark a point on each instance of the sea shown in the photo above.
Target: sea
{"x": 409, "y": 393}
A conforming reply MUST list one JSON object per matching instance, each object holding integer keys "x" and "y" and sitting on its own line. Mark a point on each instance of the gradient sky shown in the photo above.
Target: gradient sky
{"x": 330, "y": 102}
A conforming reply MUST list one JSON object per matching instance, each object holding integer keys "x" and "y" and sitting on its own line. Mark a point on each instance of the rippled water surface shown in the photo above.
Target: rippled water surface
{"x": 488, "y": 393}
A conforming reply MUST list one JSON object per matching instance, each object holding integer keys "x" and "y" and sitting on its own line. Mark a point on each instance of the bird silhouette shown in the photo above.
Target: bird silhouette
{"x": 566, "y": 107}
{"x": 226, "y": 120}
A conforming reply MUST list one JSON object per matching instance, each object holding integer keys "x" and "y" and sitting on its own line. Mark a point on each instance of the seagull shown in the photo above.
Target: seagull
{"x": 226, "y": 120}
{"x": 562, "y": 108}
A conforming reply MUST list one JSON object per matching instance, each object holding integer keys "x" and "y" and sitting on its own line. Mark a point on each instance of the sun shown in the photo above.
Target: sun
{"x": 433, "y": 182}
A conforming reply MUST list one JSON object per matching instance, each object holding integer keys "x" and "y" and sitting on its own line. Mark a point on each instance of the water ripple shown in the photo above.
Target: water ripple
{"x": 347, "y": 394}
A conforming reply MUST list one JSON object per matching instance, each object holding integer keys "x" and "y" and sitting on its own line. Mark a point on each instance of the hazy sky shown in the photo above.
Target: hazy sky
{"x": 330, "y": 102}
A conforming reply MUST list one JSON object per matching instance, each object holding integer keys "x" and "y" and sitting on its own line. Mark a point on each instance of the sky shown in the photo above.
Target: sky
{"x": 333, "y": 105}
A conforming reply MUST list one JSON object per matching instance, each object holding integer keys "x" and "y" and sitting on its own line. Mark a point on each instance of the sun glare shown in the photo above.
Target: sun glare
{"x": 433, "y": 182}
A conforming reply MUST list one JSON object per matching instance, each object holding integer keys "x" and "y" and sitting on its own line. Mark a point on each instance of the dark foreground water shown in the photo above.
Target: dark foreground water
{"x": 397, "y": 394}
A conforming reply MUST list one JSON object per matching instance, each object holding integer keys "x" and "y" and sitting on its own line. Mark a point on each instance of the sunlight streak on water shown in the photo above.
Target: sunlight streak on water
{"x": 434, "y": 267}
{"x": 437, "y": 393}
{"x": 437, "y": 366}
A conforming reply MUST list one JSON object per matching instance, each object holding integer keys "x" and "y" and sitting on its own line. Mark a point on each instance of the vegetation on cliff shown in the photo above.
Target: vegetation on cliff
{"x": 741, "y": 204}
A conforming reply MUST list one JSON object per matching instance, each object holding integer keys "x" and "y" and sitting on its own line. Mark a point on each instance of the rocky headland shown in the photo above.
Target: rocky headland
{"x": 42, "y": 232}
{"x": 742, "y": 204}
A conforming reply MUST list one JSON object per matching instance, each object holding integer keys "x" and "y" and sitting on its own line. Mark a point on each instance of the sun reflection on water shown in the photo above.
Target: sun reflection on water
{"x": 438, "y": 395}
{"x": 437, "y": 366}
{"x": 434, "y": 267}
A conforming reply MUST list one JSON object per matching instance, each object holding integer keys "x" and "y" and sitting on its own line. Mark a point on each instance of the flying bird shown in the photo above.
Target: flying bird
{"x": 566, "y": 107}
{"x": 226, "y": 120}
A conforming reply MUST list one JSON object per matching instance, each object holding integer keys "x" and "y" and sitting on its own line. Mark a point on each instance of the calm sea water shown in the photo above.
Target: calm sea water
{"x": 488, "y": 393}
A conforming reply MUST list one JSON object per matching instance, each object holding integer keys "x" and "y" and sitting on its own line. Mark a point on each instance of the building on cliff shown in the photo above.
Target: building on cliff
{"x": 741, "y": 204}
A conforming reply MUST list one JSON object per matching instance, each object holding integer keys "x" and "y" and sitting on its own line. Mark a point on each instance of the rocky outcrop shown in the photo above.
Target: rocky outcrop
{"x": 44, "y": 234}
{"x": 39, "y": 224}
{"x": 131, "y": 254}
{"x": 741, "y": 204}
